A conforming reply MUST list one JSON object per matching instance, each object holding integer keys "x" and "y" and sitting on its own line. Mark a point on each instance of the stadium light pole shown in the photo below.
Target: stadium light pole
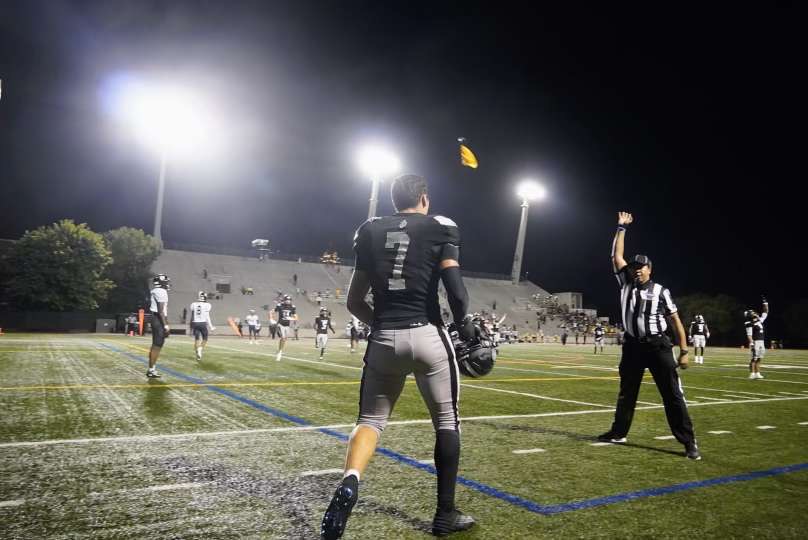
{"x": 377, "y": 163}
{"x": 528, "y": 190}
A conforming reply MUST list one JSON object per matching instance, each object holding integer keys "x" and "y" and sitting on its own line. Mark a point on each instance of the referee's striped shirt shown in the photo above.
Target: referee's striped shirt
{"x": 644, "y": 306}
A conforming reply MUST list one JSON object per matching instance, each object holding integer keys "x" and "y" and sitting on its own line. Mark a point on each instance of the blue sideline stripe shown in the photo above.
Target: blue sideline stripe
{"x": 664, "y": 490}
{"x": 473, "y": 484}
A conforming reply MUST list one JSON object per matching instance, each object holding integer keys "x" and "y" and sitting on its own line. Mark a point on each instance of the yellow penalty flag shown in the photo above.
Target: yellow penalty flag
{"x": 467, "y": 157}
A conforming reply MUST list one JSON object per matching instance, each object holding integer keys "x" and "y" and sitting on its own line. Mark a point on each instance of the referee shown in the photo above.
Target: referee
{"x": 645, "y": 306}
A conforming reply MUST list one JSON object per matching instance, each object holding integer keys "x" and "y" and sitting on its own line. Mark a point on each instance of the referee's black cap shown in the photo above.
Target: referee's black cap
{"x": 638, "y": 261}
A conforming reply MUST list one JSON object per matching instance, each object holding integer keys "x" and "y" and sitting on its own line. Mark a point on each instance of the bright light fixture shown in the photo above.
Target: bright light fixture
{"x": 169, "y": 119}
{"x": 530, "y": 190}
{"x": 377, "y": 162}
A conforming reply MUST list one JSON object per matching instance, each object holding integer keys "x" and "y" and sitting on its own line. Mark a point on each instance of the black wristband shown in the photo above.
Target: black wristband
{"x": 621, "y": 228}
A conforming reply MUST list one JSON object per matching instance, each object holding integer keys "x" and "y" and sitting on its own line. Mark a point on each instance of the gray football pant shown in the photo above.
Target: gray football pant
{"x": 391, "y": 355}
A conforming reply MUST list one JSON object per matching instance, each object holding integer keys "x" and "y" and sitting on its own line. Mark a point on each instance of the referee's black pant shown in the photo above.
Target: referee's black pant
{"x": 656, "y": 354}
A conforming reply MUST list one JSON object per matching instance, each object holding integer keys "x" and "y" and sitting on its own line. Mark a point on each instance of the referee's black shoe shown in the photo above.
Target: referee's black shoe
{"x": 446, "y": 523}
{"x": 692, "y": 451}
{"x": 611, "y": 437}
{"x": 338, "y": 512}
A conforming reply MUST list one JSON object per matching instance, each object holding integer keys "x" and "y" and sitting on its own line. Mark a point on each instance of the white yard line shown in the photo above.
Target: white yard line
{"x": 719, "y": 432}
{"x": 12, "y": 504}
{"x": 602, "y": 444}
{"x": 712, "y": 398}
{"x": 688, "y": 387}
{"x": 790, "y": 393}
{"x": 537, "y": 396}
{"x": 767, "y": 427}
{"x": 648, "y": 402}
{"x": 530, "y": 451}
{"x": 665, "y": 437}
{"x": 321, "y": 472}
{"x": 802, "y": 423}
{"x": 738, "y": 397}
{"x": 179, "y": 436}
{"x": 766, "y": 379}
{"x": 285, "y": 357}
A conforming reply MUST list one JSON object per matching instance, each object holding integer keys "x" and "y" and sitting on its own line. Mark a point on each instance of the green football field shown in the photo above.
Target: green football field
{"x": 242, "y": 446}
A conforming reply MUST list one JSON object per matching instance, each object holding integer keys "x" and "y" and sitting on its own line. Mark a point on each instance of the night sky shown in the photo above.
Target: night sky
{"x": 688, "y": 116}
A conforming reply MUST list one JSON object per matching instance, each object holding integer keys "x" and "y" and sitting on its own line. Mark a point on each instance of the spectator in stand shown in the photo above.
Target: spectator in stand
{"x": 273, "y": 328}
{"x": 564, "y": 337}
{"x": 184, "y": 317}
{"x": 294, "y": 280}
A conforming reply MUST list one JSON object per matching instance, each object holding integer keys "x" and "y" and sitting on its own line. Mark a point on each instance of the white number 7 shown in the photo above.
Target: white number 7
{"x": 401, "y": 242}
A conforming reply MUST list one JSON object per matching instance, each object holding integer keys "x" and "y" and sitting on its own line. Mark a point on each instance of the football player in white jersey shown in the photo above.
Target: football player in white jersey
{"x": 201, "y": 323}
{"x": 159, "y": 320}
{"x": 254, "y": 326}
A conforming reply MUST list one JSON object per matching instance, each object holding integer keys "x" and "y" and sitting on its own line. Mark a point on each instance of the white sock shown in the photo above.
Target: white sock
{"x": 350, "y": 472}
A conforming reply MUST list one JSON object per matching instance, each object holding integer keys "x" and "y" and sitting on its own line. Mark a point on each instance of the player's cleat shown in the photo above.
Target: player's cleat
{"x": 449, "y": 522}
{"x": 321, "y": 357}
{"x": 752, "y": 375}
{"x": 338, "y": 512}
{"x": 278, "y": 356}
{"x": 152, "y": 374}
{"x": 199, "y": 354}
{"x": 758, "y": 375}
{"x": 692, "y": 451}
{"x": 611, "y": 437}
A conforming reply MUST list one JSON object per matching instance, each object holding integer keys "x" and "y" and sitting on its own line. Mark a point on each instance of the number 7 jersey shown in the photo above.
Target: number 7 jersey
{"x": 401, "y": 255}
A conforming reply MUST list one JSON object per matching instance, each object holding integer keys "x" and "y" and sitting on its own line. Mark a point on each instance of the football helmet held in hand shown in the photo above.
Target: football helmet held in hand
{"x": 475, "y": 357}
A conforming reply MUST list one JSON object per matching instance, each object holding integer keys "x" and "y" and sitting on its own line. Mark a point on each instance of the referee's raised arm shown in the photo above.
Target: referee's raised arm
{"x": 618, "y": 262}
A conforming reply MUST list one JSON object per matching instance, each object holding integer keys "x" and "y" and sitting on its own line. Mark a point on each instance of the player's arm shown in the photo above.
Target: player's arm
{"x": 210, "y": 323}
{"x": 749, "y": 335}
{"x": 706, "y": 331}
{"x": 456, "y": 293}
{"x": 618, "y": 244}
{"x": 681, "y": 337}
{"x": 357, "y": 292}
{"x": 162, "y": 309}
{"x": 765, "y": 309}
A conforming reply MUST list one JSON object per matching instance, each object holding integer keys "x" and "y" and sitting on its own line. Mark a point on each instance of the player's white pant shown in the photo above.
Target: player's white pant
{"x": 699, "y": 341}
{"x": 758, "y": 349}
{"x": 284, "y": 331}
{"x": 321, "y": 341}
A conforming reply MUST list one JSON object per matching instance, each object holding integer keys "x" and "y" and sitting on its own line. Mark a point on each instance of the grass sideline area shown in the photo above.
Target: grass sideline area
{"x": 242, "y": 446}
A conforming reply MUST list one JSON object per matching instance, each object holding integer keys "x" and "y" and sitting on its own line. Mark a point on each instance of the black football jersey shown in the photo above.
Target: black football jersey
{"x": 755, "y": 328}
{"x": 599, "y": 332}
{"x": 401, "y": 255}
{"x": 698, "y": 329}
{"x": 321, "y": 325}
{"x": 285, "y": 313}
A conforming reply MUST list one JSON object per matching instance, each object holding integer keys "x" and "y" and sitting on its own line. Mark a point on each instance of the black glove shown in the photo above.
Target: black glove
{"x": 467, "y": 330}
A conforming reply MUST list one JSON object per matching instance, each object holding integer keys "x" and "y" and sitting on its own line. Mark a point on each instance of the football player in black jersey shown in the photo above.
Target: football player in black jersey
{"x": 754, "y": 333}
{"x": 322, "y": 324}
{"x": 697, "y": 335}
{"x": 401, "y": 258}
{"x": 284, "y": 314}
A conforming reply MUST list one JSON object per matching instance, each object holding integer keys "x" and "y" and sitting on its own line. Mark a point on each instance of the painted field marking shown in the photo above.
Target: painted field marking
{"x": 12, "y": 504}
{"x": 230, "y": 433}
{"x": 738, "y": 397}
{"x": 321, "y": 472}
{"x": 802, "y": 423}
{"x": 483, "y": 488}
{"x": 665, "y": 437}
{"x": 689, "y": 387}
{"x": 647, "y": 402}
{"x": 602, "y": 444}
{"x": 427, "y": 461}
{"x": 789, "y": 393}
{"x": 537, "y": 396}
{"x": 529, "y": 451}
{"x": 712, "y": 398}
{"x": 766, "y": 427}
{"x": 719, "y": 432}
{"x": 172, "y": 487}
{"x": 770, "y": 380}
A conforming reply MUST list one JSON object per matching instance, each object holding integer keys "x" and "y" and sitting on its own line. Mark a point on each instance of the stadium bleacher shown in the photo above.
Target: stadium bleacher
{"x": 192, "y": 272}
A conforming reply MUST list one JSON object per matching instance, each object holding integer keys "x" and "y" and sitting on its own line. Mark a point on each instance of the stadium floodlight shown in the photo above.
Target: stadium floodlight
{"x": 376, "y": 163}
{"x": 527, "y": 190}
{"x": 530, "y": 190}
{"x": 171, "y": 120}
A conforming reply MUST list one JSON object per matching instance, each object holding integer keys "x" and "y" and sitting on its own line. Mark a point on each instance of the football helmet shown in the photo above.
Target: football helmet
{"x": 476, "y": 357}
{"x": 323, "y": 310}
{"x": 202, "y": 297}
{"x": 162, "y": 281}
{"x": 700, "y": 319}
{"x": 287, "y": 299}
